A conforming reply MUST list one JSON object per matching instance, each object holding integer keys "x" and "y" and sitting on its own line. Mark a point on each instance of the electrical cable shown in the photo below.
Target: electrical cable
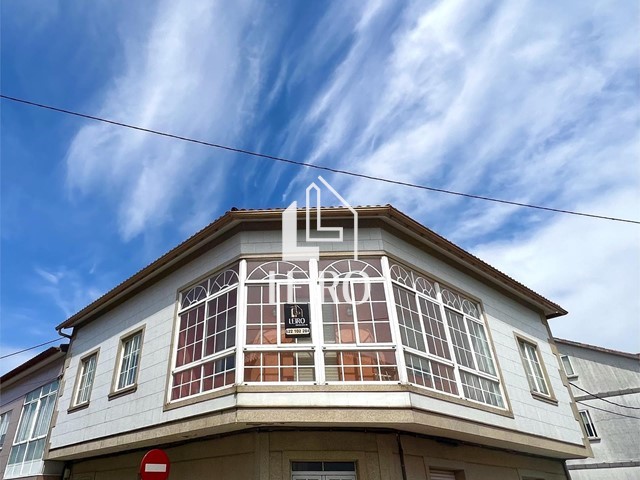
{"x": 605, "y": 410}
{"x": 603, "y": 399}
{"x": 30, "y": 348}
{"x": 311, "y": 165}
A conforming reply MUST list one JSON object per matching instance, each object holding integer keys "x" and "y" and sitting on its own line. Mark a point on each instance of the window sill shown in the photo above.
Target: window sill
{"x": 122, "y": 392}
{"x": 80, "y": 406}
{"x": 594, "y": 439}
{"x": 544, "y": 398}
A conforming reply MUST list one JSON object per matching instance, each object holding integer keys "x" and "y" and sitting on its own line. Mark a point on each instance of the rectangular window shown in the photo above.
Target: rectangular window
{"x": 4, "y": 425}
{"x": 355, "y": 312}
{"x": 361, "y": 366}
{"x": 206, "y": 336}
{"x": 279, "y": 367}
{"x": 589, "y": 426}
{"x": 26, "y": 453}
{"x": 129, "y": 360}
{"x": 444, "y": 338}
{"x": 568, "y": 367}
{"x": 442, "y": 474}
{"x": 87, "y": 375}
{"x": 533, "y": 367}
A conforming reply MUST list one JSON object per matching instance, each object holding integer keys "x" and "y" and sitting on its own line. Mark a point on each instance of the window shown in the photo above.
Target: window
{"x": 270, "y": 355}
{"x": 358, "y": 345}
{"x": 28, "y": 446}
{"x": 323, "y": 471}
{"x": 129, "y": 359}
{"x": 206, "y": 336}
{"x": 442, "y": 474}
{"x": 87, "y": 375}
{"x": 444, "y": 339}
{"x": 4, "y": 425}
{"x": 568, "y": 367}
{"x": 589, "y": 426}
{"x": 533, "y": 368}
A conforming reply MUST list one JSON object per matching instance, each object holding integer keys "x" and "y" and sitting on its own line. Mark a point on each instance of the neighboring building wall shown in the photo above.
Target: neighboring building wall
{"x": 616, "y": 450}
{"x": 269, "y": 455}
{"x": 155, "y": 308}
{"x": 12, "y": 398}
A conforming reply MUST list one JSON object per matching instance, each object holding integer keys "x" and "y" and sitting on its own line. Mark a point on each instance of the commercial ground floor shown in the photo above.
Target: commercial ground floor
{"x": 327, "y": 455}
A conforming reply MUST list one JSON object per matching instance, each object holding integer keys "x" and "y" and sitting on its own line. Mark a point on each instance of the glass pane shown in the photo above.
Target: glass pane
{"x": 459, "y": 337}
{"x": 568, "y": 368}
{"x": 481, "y": 347}
{"x": 26, "y": 422}
{"x": 410, "y": 327}
{"x": 434, "y": 328}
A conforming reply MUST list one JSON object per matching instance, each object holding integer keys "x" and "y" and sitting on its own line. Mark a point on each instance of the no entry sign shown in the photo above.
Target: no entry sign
{"x": 155, "y": 465}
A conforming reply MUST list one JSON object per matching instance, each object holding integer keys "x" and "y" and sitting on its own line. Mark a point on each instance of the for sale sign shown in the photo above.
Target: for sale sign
{"x": 297, "y": 321}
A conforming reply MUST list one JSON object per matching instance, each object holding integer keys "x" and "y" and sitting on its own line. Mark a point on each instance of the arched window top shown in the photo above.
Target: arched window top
{"x": 460, "y": 302}
{"x": 194, "y": 294}
{"x": 425, "y": 287}
{"x": 369, "y": 268}
{"x": 222, "y": 281}
{"x": 451, "y": 299}
{"x": 412, "y": 280}
{"x": 401, "y": 275}
{"x": 210, "y": 286}
{"x": 277, "y": 270}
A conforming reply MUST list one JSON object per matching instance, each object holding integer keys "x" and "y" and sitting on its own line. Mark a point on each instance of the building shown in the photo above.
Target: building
{"x": 28, "y": 396}
{"x": 606, "y": 386}
{"x": 415, "y": 361}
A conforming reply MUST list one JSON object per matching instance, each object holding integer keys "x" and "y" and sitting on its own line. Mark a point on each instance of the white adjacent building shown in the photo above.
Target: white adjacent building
{"x": 420, "y": 362}
{"x": 606, "y": 386}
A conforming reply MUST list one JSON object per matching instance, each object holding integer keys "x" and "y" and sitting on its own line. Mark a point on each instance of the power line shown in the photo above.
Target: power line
{"x": 603, "y": 399}
{"x": 31, "y": 348}
{"x": 311, "y": 165}
{"x": 608, "y": 411}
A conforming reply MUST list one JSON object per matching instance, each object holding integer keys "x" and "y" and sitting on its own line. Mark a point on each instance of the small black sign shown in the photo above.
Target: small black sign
{"x": 297, "y": 321}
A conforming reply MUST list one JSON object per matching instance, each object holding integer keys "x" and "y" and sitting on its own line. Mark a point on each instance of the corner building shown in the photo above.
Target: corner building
{"x": 447, "y": 370}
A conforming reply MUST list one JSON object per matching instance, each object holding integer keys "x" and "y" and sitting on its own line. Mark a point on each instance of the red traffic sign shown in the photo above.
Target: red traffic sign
{"x": 155, "y": 465}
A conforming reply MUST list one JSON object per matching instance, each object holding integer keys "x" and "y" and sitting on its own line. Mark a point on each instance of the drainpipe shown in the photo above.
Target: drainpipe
{"x": 401, "y": 452}
{"x": 62, "y": 334}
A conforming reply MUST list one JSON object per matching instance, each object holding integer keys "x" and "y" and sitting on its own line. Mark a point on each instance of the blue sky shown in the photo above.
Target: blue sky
{"x": 532, "y": 101}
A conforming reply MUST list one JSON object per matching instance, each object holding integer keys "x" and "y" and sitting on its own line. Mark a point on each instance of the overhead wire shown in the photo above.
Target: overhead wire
{"x": 31, "y": 348}
{"x": 311, "y": 165}
{"x": 603, "y": 399}
{"x": 608, "y": 411}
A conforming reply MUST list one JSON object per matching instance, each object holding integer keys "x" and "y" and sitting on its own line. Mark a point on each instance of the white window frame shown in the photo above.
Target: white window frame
{"x": 466, "y": 318}
{"x": 122, "y": 353}
{"x": 5, "y": 418}
{"x": 531, "y": 357}
{"x": 29, "y": 432}
{"x": 84, "y": 379}
{"x": 587, "y": 422}
{"x": 219, "y": 273}
{"x": 279, "y": 281}
{"x": 567, "y": 359}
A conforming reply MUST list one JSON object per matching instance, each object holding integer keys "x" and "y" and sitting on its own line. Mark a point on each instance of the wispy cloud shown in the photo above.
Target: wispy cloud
{"x": 68, "y": 289}
{"x": 529, "y": 101}
{"x": 195, "y": 72}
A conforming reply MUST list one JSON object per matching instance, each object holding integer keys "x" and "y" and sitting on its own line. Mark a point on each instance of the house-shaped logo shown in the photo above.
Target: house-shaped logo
{"x": 291, "y": 251}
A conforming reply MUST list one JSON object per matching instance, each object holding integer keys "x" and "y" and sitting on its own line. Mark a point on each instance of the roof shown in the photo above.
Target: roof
{"x": 213, "y": 234}
{"x": 634, "y": 356}
{"x": 34, "y": 362}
